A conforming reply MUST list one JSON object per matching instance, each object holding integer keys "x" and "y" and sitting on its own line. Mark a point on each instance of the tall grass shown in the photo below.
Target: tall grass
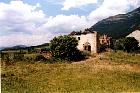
{"x": 122, "y": 57}
{"x": 95, "y": 75}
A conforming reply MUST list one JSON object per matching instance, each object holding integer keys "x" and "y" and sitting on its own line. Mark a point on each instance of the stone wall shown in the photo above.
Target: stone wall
{"x": 89, "y": 39}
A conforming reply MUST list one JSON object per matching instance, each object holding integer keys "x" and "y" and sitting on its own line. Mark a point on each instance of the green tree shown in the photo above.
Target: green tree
{"x": 65, "y": 47}
{"x": 127, "y": 44}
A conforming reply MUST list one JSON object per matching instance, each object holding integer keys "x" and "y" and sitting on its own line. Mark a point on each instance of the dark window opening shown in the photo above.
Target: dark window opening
{"x": 89, "y": 48}
{"x": 78, "y": 38}
{"x": 85, "y": 48}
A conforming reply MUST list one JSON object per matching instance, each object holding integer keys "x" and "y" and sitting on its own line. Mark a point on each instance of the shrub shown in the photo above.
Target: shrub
{"x": 18, "y": 57}
{"x": 127, "y": 44}
{"x": 40, "y": 58}
{"x": 103, "y": 47}
{"x": 65, "y": 48}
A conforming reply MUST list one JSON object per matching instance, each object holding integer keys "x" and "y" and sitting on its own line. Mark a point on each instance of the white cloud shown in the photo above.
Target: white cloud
{"x": 134, "y": 3}
{"x": 112, "y": 7}
{"x": 17, "y": 18}
{"x": 65, "y": 24}
{"x": 17, "y": 15}
{"x": 21, "y": 23}
{"x": 25, "y": 10}
{"x": 67, "y": 4}
{"x": 24, "y": 39}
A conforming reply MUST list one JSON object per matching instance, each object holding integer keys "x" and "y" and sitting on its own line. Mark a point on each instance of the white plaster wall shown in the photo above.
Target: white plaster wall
{"x": 91, "y": 38}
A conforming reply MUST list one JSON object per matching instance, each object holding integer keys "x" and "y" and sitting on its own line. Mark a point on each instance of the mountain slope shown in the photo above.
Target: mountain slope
{"x": 120, "y": 25}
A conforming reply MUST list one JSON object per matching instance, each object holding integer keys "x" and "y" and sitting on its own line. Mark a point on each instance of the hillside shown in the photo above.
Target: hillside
{"x": 120, "y": 25}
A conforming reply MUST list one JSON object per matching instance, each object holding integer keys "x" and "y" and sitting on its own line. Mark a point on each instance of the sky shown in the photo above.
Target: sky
{"x": 34, "y": 22}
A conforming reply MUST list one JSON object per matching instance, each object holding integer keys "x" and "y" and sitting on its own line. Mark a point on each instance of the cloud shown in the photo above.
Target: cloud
{"x": 65, "y": 24}
{"x": 21, "y": 23}
{"x": 67, "y": 4}
{"x": 111, "y": 8}
{"x": 17, "y": 18}
{"x": 133, "y": 4}
{"x": 24, "y": 39}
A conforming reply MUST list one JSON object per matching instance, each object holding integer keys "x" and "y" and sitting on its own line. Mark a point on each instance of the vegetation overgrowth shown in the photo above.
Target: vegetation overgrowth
{"x": 128, "y": 44}
{"x": 65, "y": 48}
{"x": 107, "y": 72}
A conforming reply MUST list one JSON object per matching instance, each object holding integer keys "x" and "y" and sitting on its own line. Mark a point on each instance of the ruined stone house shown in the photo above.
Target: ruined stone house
{"x": 87, "y": 41}
{"x": 105, "y": 40}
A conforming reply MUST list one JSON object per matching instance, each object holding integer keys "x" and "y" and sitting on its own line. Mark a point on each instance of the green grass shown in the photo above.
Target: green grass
{"x": 122, "y": 57}
{"x": 106, "y": 74}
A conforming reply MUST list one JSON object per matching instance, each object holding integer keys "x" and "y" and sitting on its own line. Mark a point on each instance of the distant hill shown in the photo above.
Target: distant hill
{"x": 14, "y": 47}
{"x": 120, "y": 25}
{"x": 45, "y": 45}
{"x": 1, "y": 48}
{"x": 19, "y": 46}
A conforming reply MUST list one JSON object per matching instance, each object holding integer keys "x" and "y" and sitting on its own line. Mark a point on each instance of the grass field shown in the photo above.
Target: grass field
{"x": 106, "y": 72}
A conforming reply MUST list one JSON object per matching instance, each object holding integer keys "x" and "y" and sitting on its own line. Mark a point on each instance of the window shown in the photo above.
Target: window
{"x": 78, "y": 38}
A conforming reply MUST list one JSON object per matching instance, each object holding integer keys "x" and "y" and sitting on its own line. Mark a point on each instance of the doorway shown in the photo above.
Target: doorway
{"x": 87, "y": 46}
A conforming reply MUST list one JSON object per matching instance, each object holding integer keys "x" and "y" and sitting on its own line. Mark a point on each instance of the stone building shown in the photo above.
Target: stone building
{"x": 87, "y": 41}
{"x": 105, "y": 40}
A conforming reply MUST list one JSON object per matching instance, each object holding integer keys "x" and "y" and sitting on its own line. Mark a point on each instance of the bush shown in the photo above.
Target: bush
{"x": 103, "y": 47}
{"x": 65, "y": 48}
{"x": 127, "y": 44}
{"x": 40, "y": 58}
{"x": 86, "y": 53}
{"x": 18, "y": 57}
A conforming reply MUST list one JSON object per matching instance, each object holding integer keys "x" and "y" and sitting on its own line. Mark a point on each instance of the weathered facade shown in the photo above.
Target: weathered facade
{"x": 105, "y": 40}
{"x": 88, "y": 41}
